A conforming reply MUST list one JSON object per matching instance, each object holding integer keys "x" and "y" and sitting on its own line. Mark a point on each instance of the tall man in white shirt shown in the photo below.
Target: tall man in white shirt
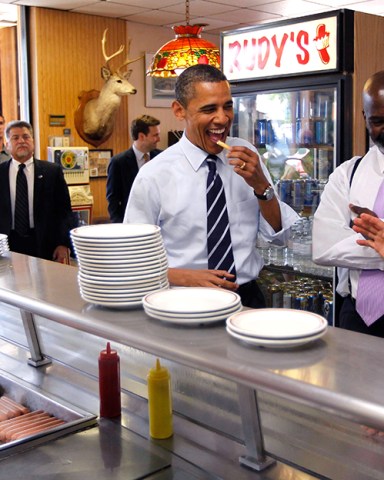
{"x": 335, "y": 242}
{"x": 123, "y": 167}
{"x": 172, "y": 191}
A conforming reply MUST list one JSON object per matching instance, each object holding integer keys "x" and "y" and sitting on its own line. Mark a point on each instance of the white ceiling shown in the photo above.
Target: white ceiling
{"x": 220, "y": 15}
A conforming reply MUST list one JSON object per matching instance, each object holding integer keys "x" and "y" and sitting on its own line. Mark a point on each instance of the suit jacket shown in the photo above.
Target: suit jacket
{"x": 52, "y": 212}
{"x": 122, "y": 171}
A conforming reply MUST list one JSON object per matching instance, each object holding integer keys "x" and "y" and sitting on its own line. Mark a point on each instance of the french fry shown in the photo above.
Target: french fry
{"x": 224, "y": 145}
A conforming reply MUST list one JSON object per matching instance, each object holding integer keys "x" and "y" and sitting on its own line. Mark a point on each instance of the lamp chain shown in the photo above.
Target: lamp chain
{"x": 187, "y": 12}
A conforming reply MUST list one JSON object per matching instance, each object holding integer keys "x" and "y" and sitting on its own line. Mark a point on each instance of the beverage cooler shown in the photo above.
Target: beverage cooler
{"x": 293, "y": 87}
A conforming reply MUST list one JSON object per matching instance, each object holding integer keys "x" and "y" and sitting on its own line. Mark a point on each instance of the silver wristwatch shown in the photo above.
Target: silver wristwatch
{"x": 268, "y": 194}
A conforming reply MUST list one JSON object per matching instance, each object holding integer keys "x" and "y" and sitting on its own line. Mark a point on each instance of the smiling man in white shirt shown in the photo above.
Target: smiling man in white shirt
{"x": 171, "y": 191}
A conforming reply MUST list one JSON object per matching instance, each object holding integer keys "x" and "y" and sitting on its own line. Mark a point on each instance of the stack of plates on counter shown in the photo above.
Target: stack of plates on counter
{"x": 276, "y": 327}
{"x": 192, "y": 305}
{"x": 119, "y": 263}
{"x": 4, "y": 247}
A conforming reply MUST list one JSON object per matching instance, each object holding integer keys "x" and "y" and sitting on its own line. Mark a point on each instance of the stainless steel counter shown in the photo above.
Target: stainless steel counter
{"x": 339, "y": 374}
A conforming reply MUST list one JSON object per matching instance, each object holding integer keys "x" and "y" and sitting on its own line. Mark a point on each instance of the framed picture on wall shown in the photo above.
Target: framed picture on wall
{"x": 98, "y": 162}
{"x": 159, "y": 92}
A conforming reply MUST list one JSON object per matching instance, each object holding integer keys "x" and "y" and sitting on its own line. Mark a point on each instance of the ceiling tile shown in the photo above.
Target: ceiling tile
{"x": 109, "y": 9}
{"x": 156, "y": 17}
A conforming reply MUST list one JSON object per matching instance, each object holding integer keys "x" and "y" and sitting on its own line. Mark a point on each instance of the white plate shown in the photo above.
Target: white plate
{"x": 120, "y": 298}
{"x": 124, "y": 271}
{"x": 269, "y": 343}
{"x": 129, "y": 279}
{"x": 116, "y": 244}
{"x": 276, "y": 323}
{"x": 186, "y": 321}
{"x": 134, "y": 303}
{"x": 128, "y": 260}
{"x": 121, "y": 255}
{"x": 122, "y": 290}
{"x": 109, "y": 250}
{"x": 192, "y": 299}
{"x": 111, "y": 231}
{"x": 227, "y": 312}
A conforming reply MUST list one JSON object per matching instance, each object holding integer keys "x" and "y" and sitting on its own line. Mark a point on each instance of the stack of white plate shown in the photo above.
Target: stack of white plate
{"x": 4, "y": 247}
{"x": 276, "y": 327}
{"x": 192, "y": 305}
{"x": 119, "y": 263}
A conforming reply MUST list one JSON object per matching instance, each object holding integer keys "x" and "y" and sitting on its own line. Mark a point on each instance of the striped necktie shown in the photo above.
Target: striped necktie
{"x": 21, "y": 203}
{"x": 369, "y": 297}
{"x": 146, "y": 157}
{"x": 220, "y": 254}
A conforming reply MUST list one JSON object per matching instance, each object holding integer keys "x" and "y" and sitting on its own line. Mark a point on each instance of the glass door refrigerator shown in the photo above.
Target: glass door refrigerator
{"x": 293, "y": 90}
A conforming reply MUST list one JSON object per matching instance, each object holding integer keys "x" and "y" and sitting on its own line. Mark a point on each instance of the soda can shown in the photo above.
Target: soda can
{"x": 275, "y": 296}
{"x": 309, "y": 187}
{"x": 288, "y": 296}
{"x": 297, "y": 194}
{"x": 300, "y": 301}
{"x": 319, "y": 131}
{"x": 313, "y": 301}
{"x": 261, "y": 126}
{"x": 285, "y": 191}
{"x": 328, "y": 309}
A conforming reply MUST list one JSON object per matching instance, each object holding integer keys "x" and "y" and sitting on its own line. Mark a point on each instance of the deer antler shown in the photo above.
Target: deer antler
{"x": 106, "y": 57}
{"x": 128, "y": 61}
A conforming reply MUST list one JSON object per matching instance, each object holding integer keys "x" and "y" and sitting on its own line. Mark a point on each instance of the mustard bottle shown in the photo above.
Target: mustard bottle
{"x": 159, "y": 402}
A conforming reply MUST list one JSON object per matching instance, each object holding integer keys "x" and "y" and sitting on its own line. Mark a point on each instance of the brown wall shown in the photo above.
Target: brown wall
{"x": 66, "y": 58}
{"x": 8, "y": 73}
{"x": 369, "y": 41}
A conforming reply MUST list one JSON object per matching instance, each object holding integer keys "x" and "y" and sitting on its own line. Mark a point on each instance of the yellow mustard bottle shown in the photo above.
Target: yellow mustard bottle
{"x": 159, "y": 402}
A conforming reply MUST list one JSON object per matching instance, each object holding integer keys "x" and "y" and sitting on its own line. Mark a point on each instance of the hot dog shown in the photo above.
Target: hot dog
{"x": 33, "y": 423}
{"x": 17, "y": 421}
{"x": 41, "y": 428}
{"x": 9, "y": 412}
{"x": 12, "y": 403}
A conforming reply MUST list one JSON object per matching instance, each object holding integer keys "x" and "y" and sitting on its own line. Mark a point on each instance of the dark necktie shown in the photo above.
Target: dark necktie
{"x": 21, "y": 202}
{"x": 369, "y": 297}
{"x": 220, "y": 254}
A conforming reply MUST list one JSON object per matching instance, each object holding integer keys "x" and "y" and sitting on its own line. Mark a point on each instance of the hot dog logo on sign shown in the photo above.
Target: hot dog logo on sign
{"x": 301, "y": 47}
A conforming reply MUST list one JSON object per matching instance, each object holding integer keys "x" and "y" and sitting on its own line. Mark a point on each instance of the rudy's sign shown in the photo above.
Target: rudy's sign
{"x": 301, "y": 47}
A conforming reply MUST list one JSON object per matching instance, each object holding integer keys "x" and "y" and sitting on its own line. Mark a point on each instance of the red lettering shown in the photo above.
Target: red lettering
{"x": 279, "y": 49}
{"x": 263, "y": 59}
{"x": 250, "y": 55}
{"x": 302, "y": 39}
{"x": 235, "y": 49}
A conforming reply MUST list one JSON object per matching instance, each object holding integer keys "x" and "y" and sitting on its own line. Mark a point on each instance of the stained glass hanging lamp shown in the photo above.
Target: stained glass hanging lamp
{"x": 187, "y": 49}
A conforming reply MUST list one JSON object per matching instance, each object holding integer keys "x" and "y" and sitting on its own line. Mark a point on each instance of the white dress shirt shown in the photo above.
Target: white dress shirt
{"x": 29, "y": 172}
{"x": 334, "y": 241}
{"x": 171, "y": 192}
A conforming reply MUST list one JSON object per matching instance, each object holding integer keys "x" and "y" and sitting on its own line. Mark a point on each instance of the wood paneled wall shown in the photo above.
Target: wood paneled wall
{"x": 8, "y": 73}
{"x": 369, "y": 41}
{"x": 66, "y": 58}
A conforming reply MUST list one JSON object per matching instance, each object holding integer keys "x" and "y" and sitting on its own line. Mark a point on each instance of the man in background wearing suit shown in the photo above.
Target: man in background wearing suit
{"x": 47, "y": 200}
{"x": 4, "y": 155}
{"x": 123, "y": 168}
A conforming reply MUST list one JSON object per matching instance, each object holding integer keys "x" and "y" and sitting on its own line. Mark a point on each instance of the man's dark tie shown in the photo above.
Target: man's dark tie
{"x": 220, "y": 254}
{"x": 21, "y": 203}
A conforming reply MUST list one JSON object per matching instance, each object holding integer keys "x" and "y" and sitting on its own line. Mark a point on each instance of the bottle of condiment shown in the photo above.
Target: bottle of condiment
{"x": 159, "y": 402}
{"x": 109, "y": 383}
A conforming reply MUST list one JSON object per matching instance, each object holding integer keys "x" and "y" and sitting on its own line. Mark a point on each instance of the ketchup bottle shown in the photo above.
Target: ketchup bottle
{"x": 159, "y": 402}
{"x": 109, "y": 383}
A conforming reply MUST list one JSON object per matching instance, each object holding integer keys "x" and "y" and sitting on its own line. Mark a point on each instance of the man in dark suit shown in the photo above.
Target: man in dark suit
{"x": 123, "y": 168}
{"x": 48, "y": 206}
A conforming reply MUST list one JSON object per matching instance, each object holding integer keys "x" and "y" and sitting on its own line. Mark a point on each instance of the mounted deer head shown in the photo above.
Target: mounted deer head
{"x": 96, "y": 112}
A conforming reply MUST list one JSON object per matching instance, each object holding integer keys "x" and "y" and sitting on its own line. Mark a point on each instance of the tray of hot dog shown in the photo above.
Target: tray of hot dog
{"x": 30, "y": 416}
